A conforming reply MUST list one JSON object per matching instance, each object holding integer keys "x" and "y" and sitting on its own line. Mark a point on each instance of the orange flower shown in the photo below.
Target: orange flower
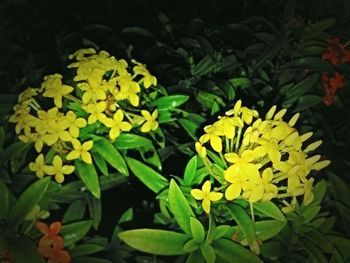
{"x": 51, "y": 243}
{"x": 330, "y": 86}
{"x": 336, "y": 52}
{"x": 54, "y": 252}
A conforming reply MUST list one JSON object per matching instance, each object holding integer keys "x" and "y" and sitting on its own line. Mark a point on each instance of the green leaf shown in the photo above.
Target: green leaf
{"x": 88, "y": 175}
{"x": 267, "y": 229}
{"x": 24, "y": 250}
{"x": 85, "y": 249}
{"x": 90, "y": 260}
{"x": 95, "y": 209}
{"x": 241, "y": 82}
{"x": 75, "y": 231}
{"x": 264, "y": 230}
{"x": 190, "y": 171}
{"x": 138, "y": 31}
{"x": 228, "y": 251}
{"x": 108, "y": 152}
{"x": 343, "y": 244}
{"x": 145, "y": 146}
{"x": 147, "y": 175}
{"x": 203, "y": 67}
{"x": 310, "y": 212}
{"x": 127, "y": 216}
{"x": 131, "y": 141}
{"x": 190, "y": 127}
{"x": 336, "y": 257}
{"x": 318, "y": 27}
{"x": 341, "y": 190}
{"x": 221, "y": 231}
{"x": 245, "y": 224}
{"x": 319, "y": 192}
{"x": 155, "y": 241}
{"x": 14, "y": 150}
{"x": 313, "y": 251}
{"x": 179, "y": 207}
{"x": 6, "y": 200}
{"x": 320, "y": 239}
{"x": 75, "y": 211}
{"x": 197, "y": 230}
{"x": 195, "y": 257}
{"x": 169, "y": 102}
{"x": 100, "y": 162}
{"x": 28, "y": 199}
{"x": 272, "y": 49}
{"x": 306, "y": 102}
{"x": 112, "y": 180}
{"x": 310, "y": 63}
{"x": 208, "y": 253}
{"x": 190, "y": 246}
{"x": 206, "y": 99}
{"x": 270, "y": 209}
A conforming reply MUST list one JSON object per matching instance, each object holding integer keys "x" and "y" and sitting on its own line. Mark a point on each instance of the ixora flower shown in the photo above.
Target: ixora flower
{"x": 81, "y": 151}
{"x": 58, "y": 170}
{"x": 116, "y": 125}
{"x": 104, "y": 91}
{"x": 261, "y": 159}
{"x": 150, "y": 121}
{"x": 51, "y": 244}
{"x": 206, "y": 195}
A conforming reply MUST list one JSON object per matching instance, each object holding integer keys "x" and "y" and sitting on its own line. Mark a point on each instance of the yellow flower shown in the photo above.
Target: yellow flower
{"x": 242, "y": 165}
{"x": 74, "y": 123}
{"x": 56, "y": 129}
{"x": 206, "y": 196}
{"x": 151, "y": 123}
{"x": 262, "y": 189}
{"x": 269, "y": 147}
{"x": 93, "y": 89}
{"x": 212, "y": 135}
{"x": 201, "y": 150}
{"x": 45, "y": 117}
{"x": 235, "y": 188}
{"x": 148, "y": 80}
{"x": 228, "y": 125}
{"x": 116, "y": 125}
{"x": 96, "y": 111}
{"x": 38, "y": 166}
{"x": 58, "y": 169}
{"x": 23, "y": 119}
{"x": 128, "y": 90}
{"x": 81, "y": 151}
{"x": 80, "y": 54}
{"x": 248, "y": 114}
{"x": 54, "y": 89}
{"x": 36, "y": 214}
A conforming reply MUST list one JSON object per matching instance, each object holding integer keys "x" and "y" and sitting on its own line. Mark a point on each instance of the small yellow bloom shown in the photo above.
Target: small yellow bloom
{"x": 96, "y": 111}
{"x": 201, "y": 150}
{"x": 206, "y": 196}
{"x": 151, "y": 123}
{"x": 81, "y": 151}
{"x": 148, "y": 80}
{"x": 75, "y": 123}
{"x": 54, "y": 89}
{"x": 128, "y": 90}
{"x": 116, "y": 125}
{"x": 38, "y": 166}
{"x": 36, "y": 214}
{"x": 58, "y": 169}
{"x": 212, "y": 135}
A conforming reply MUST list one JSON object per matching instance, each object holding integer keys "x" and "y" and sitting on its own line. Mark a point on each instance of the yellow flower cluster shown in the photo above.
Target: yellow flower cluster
{"x": 103, "y": 88}
{"x": 261, "y": 158}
